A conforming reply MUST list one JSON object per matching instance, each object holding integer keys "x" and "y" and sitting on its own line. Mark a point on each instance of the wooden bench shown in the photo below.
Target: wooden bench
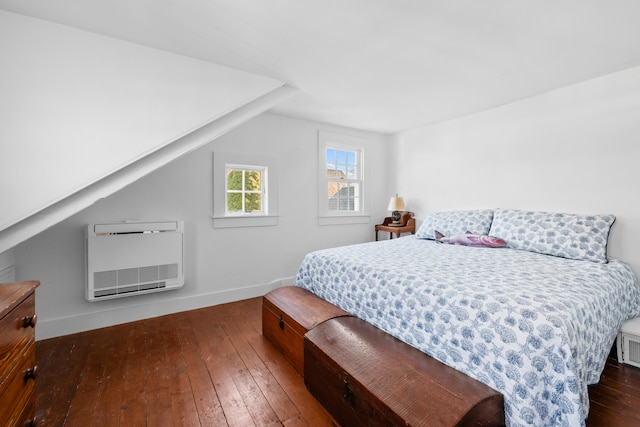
{"x": 287, "y": 314}
{"x": 365, "y": 377}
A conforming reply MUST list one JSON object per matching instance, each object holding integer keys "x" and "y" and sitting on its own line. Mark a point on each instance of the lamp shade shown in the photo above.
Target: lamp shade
{"x": 396, "y": 204}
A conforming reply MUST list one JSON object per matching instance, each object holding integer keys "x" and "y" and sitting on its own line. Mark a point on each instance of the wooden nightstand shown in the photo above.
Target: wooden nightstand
{"x": 407, "y": 225}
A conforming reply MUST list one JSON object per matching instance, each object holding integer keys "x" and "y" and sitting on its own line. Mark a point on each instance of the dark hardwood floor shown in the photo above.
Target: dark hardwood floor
{"x": 212, "y": 367}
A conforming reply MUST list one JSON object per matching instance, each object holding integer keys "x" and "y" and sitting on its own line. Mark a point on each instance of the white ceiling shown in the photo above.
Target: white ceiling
{"x": 379, "y": 65}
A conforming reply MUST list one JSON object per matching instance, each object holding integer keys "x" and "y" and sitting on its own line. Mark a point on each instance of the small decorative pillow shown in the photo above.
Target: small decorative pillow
{"x": 456, "y": 222}
{"x": 469, "y": 239}
{"x": 573, "y": 236}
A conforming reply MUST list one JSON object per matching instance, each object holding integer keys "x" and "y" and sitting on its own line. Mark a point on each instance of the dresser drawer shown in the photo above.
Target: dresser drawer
{"x": 16, "y": 391}
{"x": 15, "y": 336}
{"x": 27, "y": 417}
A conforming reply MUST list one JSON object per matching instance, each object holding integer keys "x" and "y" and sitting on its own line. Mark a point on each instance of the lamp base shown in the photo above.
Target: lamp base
{"x": 395, "y": 216}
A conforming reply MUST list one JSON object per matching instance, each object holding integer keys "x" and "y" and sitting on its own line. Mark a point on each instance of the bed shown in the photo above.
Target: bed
{"x": 535, "y": 319}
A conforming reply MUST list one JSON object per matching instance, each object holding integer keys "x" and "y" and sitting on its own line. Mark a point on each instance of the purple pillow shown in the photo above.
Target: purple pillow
{"x": 469, "y": 239}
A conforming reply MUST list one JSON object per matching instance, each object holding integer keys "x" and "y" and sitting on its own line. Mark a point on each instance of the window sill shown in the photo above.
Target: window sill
{"x": 344, "y": 219}
{"x": 244, "y": 221}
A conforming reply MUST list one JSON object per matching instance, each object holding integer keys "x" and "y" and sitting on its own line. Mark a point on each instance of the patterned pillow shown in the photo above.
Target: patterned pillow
{"x": 573, "y": 236}
{"x": 456, "y": 222}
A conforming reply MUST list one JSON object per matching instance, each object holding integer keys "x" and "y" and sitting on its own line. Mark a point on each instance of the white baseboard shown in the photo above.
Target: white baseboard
{"x": 50, "y": 328}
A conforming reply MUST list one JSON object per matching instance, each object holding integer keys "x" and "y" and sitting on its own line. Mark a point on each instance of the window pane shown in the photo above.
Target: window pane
{"x": 333, "y": 189}
{"x": 252, "y": 202}
{"x": 351, "y": 158}
{"x": 234, "y": 179}
{"x": 342, "y": 157}
{"x": 252, "y": 180}
{"x": 352, "y": 172}
{"x": 331, "y": 156}
{"x": 234, "y": 202}
{"x": 354, "y": 202}
{"x": 333, "y": 174}
{"x": 346, "y": 198}
{"x": 343, "y": 197}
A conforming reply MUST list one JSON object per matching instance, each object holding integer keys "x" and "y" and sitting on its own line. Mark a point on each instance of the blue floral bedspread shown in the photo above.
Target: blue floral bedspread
{"x": 535, "y": 327}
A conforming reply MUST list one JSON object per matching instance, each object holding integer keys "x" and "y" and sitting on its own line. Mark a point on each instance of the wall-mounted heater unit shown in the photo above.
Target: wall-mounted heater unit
{"x": 628, "y": 342}
{"x": 132, "y": 258}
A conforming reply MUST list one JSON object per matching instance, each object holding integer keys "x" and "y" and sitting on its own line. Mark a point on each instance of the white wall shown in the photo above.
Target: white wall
{"x": 222, "y": 264}
{"x": 575, "y": 150}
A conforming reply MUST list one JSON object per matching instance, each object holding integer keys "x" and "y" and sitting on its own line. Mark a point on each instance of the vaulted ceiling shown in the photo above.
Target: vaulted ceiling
{"x": 379, "y": 65}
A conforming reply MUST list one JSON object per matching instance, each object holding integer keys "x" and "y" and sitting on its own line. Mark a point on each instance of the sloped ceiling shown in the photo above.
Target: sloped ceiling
{"x": 81, "y": 111}
{"x": 379, "y": 65}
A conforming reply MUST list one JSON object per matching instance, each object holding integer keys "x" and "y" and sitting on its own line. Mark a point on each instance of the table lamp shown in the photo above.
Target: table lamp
{"x": 396, "y": 204}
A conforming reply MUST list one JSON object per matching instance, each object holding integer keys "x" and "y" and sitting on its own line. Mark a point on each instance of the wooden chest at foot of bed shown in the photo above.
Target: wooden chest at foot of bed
{"x": 365, "y": 377}
{"x": 287, "y": 314}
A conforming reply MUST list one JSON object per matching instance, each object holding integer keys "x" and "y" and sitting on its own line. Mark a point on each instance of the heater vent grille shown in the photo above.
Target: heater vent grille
{"x": 126, "y": 259}
{"x": 634, "y": 351}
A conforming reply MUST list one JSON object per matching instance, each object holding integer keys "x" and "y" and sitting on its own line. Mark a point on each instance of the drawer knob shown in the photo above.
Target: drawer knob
{"x": 29, "y": 321}
{"x": 281, "y": 323}
{"x": 31, "y": 423}
{"x": 31, "y": 373}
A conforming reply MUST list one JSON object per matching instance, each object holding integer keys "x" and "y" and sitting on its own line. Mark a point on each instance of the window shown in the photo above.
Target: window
{"x": 245, "y": 190}
{"x": 341, "y": 189}
{"x": 245, "y": 187}
{"x": 343, "y": 180}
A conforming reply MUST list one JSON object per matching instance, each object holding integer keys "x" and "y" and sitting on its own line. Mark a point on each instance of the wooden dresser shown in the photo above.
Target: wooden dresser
{"x": 17, "y": 353}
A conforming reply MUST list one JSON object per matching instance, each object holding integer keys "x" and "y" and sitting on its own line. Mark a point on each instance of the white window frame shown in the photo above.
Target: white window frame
{"x": 264, "y": 183}
{"x": 344, "y": 142}
{"x": 269, "y": 215}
